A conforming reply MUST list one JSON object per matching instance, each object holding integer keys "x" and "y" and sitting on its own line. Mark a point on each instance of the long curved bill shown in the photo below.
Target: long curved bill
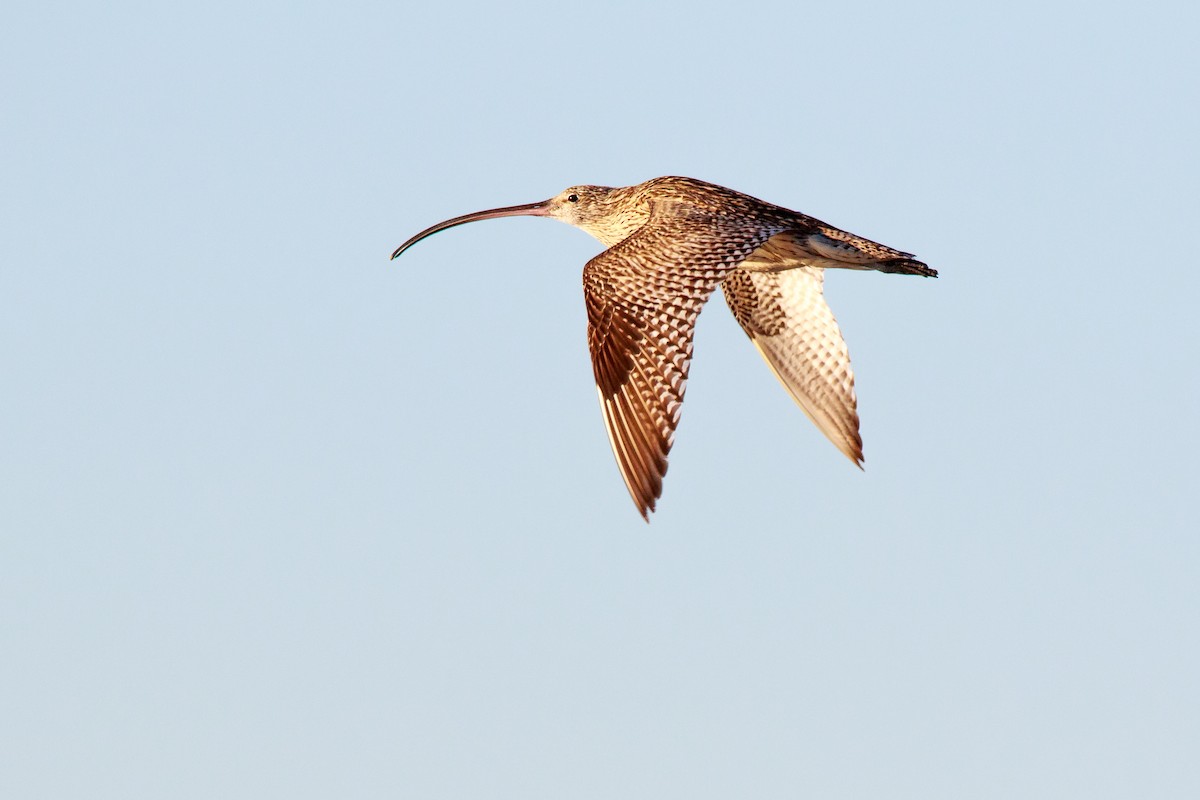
{"x": 527, "y": 210}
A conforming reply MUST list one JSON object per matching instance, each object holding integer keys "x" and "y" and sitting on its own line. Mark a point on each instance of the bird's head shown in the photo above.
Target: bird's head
{"x": 579, "y": 205}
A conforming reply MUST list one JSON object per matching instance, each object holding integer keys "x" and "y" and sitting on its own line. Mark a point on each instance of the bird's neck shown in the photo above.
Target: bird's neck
{"x": 624, "y": 213}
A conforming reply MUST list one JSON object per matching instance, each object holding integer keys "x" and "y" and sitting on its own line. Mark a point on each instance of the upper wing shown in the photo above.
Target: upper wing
{"x": 643, "y": 296}
{"x": 784, "y": 313}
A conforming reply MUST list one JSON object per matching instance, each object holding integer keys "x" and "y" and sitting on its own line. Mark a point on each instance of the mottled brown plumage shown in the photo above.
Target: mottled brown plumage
{"x": 671, "y": 242}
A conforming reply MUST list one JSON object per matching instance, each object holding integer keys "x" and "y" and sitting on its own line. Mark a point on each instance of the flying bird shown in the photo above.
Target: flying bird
{"x": 671, "y": 242}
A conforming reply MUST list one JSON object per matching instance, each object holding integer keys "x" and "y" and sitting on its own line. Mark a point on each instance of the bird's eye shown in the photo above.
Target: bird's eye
{"x": 572, "y": 198}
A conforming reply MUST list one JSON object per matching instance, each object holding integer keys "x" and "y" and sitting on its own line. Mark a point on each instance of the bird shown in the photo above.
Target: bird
{"x": 671, "y": 241}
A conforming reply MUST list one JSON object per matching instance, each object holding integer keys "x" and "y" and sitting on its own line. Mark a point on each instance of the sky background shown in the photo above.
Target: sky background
{"x": 281, "y": 518}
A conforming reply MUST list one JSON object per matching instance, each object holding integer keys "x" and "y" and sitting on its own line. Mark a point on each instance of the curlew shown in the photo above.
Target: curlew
{"x": 671, "y": 242}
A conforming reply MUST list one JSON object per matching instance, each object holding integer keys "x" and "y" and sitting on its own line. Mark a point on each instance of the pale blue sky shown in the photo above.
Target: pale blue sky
{"x": 281, "y": 518}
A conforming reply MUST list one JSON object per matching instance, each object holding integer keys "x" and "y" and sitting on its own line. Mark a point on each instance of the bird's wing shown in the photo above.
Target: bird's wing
{"x": 783, "y": 311}
{"x": 643, "y": 296}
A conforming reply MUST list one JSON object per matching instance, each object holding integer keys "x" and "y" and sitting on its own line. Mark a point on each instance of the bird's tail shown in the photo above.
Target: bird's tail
{"x": 830, "y": 247}
{"x": 905, "y": 266}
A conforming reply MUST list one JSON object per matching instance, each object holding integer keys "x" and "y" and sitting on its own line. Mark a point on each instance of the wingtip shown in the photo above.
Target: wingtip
{"x": 646, "y": 509}
{"x": 855, "y": 454}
